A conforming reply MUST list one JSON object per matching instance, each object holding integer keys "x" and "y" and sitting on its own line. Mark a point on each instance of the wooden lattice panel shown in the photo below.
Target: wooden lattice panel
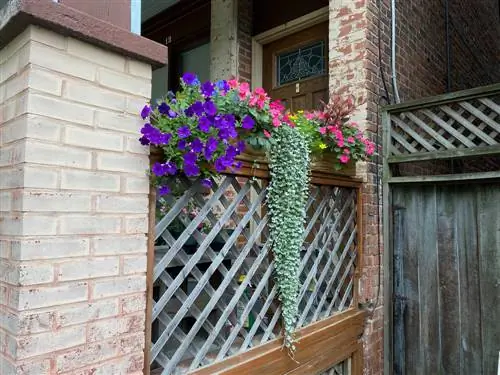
{"x": 215, "y": 294}
{"x": 459, "y": 125}
{"x": 342, "y": 368}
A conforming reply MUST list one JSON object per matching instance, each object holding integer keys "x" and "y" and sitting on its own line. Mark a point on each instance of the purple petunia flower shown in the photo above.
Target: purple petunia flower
{"x": 145, "y": 111}
{"x": 163, "y": 108}
{"x": 222, "y": 163}
{"x": 183, "y": 132}
{"x": 204, "y": 124}
{"x": 164, "y": 190}
{"x": 197, "y": 108}
{"x": 191, "y": 170}
{"x": 182, "y": 144}
{"x": 247, "y": 122}
{"x": 197, "y": 145}
{"x": 210, "y": 147}
{"x": 190, "y": 79}
{"x": 225, "y": 134}
{"x": 207, "y": 89}
{"x": 171, "y": 168}
{"x": 172, "y": 114}
{"x": 144, "y": 141}
{"x": 189, "y": 111}
{"x": 210, "y": 108}
{"x": 154, "y": 135}
{"x": 206, "y": 182}
{"x": 241, "y": 146}
{"x": 190, "y": 158}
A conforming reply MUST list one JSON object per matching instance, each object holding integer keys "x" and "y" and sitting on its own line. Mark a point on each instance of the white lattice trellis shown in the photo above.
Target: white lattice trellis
{"x": 215, "y": 295}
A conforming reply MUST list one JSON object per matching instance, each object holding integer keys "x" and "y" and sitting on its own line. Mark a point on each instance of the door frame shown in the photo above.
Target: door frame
{"x": 278, "y": 32}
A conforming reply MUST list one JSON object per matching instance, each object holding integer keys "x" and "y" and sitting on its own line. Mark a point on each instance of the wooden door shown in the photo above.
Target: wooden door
{"x": 295, "y": 68}
{"x": 446, "y": 279}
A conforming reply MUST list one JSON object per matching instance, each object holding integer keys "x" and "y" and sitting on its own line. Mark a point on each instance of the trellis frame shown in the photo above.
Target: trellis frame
{"x": 346, "y": 327}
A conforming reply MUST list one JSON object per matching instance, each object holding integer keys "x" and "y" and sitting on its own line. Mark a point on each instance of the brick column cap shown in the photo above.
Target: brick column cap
{"x": 17, "y": 15}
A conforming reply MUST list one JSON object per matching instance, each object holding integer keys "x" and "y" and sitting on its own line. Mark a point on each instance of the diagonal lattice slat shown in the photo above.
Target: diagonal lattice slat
{"x": 342, "y": 368}
{"x": 463, "y": 124}
{"x": 215, "y": 294}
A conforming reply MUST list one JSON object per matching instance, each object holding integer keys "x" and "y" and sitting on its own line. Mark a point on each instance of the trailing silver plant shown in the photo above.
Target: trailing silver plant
{"x": 286, "y": 199}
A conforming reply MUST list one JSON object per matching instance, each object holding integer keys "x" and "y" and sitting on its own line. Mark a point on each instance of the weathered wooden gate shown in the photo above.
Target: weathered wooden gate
{"x": 442, "y": 230}
{"x": 214, "y": 305}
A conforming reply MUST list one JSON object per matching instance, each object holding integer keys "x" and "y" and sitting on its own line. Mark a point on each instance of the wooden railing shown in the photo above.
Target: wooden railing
{"x": 464, "y": 123}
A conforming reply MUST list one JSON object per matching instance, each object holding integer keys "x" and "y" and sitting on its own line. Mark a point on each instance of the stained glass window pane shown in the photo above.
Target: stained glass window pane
{"x": 300, "y": 64}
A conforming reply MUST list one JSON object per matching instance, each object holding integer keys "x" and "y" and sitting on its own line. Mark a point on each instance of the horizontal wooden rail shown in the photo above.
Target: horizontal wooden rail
{"x": 321, "y": 345}
{"x": 437, "y": 100}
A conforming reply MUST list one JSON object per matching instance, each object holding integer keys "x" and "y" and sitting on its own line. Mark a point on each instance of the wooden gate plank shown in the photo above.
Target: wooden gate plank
{"x": 449, "y": 286}
{"x": 489, "y": 269}
{"x": 468, "y": 254}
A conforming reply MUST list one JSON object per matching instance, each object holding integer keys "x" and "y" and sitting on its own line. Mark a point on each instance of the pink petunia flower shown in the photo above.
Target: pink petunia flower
{"x": 267, "y": 134}
{"x": 244, "y": 90}
{"x": 232, "y": 83}
{"x": 322, "y": 130}
{"x": 344, "y": 158}
{"x": 350, "y": 140}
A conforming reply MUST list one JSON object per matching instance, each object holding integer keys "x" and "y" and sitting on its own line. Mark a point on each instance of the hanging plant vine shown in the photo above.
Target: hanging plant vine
{"x": 287, "y": 197}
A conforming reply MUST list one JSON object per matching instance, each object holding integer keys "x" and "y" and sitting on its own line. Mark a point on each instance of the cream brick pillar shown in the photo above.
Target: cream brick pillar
{"x": 223, "y": 39}
{"x": 74, "y": 207}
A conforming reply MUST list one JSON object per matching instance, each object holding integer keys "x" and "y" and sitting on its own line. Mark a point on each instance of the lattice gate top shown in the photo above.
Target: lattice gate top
{"x": 214, "y": 290}
{"x": 453, "y": 125}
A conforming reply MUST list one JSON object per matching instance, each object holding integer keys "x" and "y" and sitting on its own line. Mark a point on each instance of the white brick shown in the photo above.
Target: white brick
{"x": 11, "y": 178}
{"x": 47, "y": 37}
{"x": 86, "y": 355}
{"x": 130, "y": 365}
{"x": 53, "y": 201}
{"x": 138, "y": 68}
{"x": 134, "y": 146}
{"x": 17, "y": 84}
{"x": 12, "y": 154}
{"x": 59, "y": 61}
{"x": 113, "y": 203}
{"x": 108, "y": 161}
{"x": 93, "y": 95}
{"x": 124, "y": 82}
{"x": 11, "y": 225}
{"x": 136, "y": 224}
{"x": 5, "y": 246}
{"x": 89, "y": 224}
{"x": 45, "y": 82}
{"x": 86, "y": 312}
{"x": 137, "y": 185}
{"x": 91, "y": 181}
{"x": 135, "y": 264}
{"x": 9, "y": 68}
{"x": 32, "y": 298}
{"x": 31, "y": 366}
{"x": 120, "y": 121}
{"x": 134, "y": 105}
{"x": 35, "y": 322}
{"x": 120, "y": 245}
{"x": 39, "y": 177}
{"x": 5, "y": 201}
{"x": 14, "y": 46}
{"x": 51, "y": 248}
{"x": 93, "y": 139}
{"x": 117, "y": 286}
{"x": 89, "y": 268}
{"x": 133, "y": 303}
{"x": 50, "y": 154}
{"x": 60, "y": 109}
{"x": 49, "y": 342}
{"x": 27, "y": 126}
{"x": 95, "y": 54}
{"x": 108, "y": 328}
{"x": 28, "y": 225}
{"x": 35, "y": 273}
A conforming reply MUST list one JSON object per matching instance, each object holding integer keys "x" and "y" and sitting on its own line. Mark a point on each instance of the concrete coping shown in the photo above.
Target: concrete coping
{"x": 17, "y": 15}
